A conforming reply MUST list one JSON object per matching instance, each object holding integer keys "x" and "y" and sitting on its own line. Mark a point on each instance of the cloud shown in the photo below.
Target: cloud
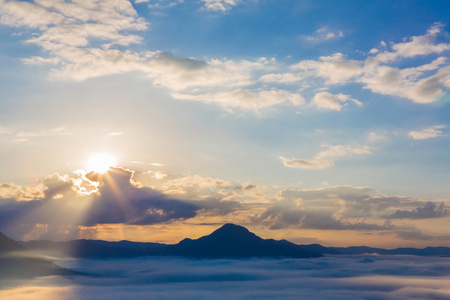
{"x": 330, "y": 277}
{"x": 417, "y": 46}
{"x": 374, "y": 73}
{"x": 327, "y": 101}
{"x": 375, "y": 137}
{"x": 425, "y": 211}
{"x": 65, "y": 202}
{"x": 88, "y": 39}
{"x": 219, "y": 5}
{"x": 335, "y": 69}
{"x": 324, "y": 158}
{"x": 115, "y": 133}
{"x": 306, "y": 163}
{"x": 343, "y": 150}
{"x": 427, "y": 133}
{"x": 72, "y": 23}
{"x": 324, "y": 34}
{"x": 24, "y": 135}
{"x": 338, "y": 208}
{"x": 119, "y": 201}
{"x": 281, "y": 217}
{"x": 66, "y": 207}
{"x": 214, "y": 196}
{"x": 330, "y": 208}
{"x": 161, "y": 4}
{"x": 409, "y": 83}
{"x": 245, "y": 99}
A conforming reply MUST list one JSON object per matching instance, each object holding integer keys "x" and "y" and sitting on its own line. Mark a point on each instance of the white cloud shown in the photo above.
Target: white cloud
{"x": 335, "y": 69}
{"x": 327, "y": 101}
{"x": 427, "y": 133}
{"x": 324, "y": 159}
{"x": 324, "y": 34}
{"x": 245, "y": 99}
{"x": 415, "y": 83}
{"x": 409, "y": 82}
{"x": 343, "y": 150}
{"x": 85, "y": 39}
{"x": 219, "y": 5}
{"x": 418, "y": 45}
{"x": 37, "y": 60}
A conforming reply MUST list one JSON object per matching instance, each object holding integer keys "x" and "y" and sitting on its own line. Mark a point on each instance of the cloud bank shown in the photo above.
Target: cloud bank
{"x": 70, "y": 207}
{"x": 351, "y": 277}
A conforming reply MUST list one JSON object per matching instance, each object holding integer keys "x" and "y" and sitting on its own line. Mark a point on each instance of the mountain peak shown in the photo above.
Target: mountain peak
{"x": 232, "y": 232}
{"x": 230, "y": 227}
{"x": 235, "y": 241}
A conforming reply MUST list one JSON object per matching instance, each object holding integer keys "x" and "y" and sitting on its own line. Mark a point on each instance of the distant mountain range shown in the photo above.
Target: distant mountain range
{"x": 229, "y": 241}
{"x": 18, "y": 262}
{"x": 26, "y": 260}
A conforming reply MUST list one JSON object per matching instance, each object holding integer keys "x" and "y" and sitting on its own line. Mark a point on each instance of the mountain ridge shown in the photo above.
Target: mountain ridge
{"x": 228, "y": 241}
{"x": 18, "y": 262}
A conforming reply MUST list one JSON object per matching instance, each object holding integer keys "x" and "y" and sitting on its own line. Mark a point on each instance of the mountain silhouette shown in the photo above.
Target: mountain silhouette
{"x": 229, "y": 241}
{"x": 17, "y": 262}
{"x": 234, "y": 241}
{"x": 92, "y": 248}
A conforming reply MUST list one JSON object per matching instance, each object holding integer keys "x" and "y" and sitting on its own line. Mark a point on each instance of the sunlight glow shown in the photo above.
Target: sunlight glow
{"x": 100, "y": 162}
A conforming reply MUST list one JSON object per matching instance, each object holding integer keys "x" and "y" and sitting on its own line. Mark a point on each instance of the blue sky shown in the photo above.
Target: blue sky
{"x": 233, "y": 107}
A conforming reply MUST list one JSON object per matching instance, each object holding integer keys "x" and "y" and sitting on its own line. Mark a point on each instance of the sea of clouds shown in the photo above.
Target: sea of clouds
{"x": 330, "y": 277}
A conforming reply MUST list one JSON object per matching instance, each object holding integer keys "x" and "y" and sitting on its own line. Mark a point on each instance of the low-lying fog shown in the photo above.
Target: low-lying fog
{"x": 331, "y": 277}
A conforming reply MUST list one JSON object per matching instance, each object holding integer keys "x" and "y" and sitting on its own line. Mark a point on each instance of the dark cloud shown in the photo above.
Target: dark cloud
{"x": 425, "y": 211}
{"x": 279, "y": 217}
{"x": 119, "y": 201}
{"x": 248, "y": 187}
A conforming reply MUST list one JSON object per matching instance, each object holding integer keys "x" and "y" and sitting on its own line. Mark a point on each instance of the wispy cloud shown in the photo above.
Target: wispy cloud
{"x": 23, "y": 135}
{"x": 325, "y": 159}
{"x": 306, "y": 163}
{"x": 428, "y": 133}
{"x": 246, "y": 99}
{"x": 220, "y": 5}
{"x": 324, "y": 34}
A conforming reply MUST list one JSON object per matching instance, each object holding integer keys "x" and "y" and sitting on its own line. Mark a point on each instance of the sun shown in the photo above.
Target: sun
{"x": 100, "y": 162}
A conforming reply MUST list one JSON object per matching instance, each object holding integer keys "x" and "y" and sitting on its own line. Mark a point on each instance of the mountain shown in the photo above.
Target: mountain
{"x": 91, "y": 248}
{"x": 233, "y": 241}
{"x": 428, "y": 251}
{"x": 229, "y": 241}
{"x": 17, "y": 262}
{"x": 128, "y": 244}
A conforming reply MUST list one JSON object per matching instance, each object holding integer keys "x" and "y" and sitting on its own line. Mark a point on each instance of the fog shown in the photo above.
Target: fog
{"x": 331, "y": 277}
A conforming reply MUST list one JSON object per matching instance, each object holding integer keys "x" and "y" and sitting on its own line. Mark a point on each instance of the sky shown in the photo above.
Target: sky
{"x": 313, "y": 121}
